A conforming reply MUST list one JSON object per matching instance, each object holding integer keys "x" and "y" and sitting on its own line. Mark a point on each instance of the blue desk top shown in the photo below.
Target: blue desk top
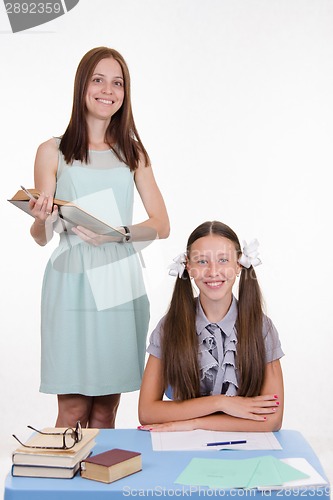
{"x": 159, "y": 471}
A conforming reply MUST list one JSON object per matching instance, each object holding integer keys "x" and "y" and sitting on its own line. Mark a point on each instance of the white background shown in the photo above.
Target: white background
{"x": 233, "y": 101}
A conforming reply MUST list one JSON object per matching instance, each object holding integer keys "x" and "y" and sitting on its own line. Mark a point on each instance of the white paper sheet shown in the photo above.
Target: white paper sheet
{"x": 198, "y": 439}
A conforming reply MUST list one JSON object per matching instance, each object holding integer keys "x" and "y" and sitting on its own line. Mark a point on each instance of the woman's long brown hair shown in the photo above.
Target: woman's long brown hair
{"x": 180, "y": 340}
{"x": 121, "y": 135}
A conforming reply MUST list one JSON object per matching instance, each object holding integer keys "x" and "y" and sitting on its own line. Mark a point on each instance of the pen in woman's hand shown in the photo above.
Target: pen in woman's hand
{"x": 27, "y": 192}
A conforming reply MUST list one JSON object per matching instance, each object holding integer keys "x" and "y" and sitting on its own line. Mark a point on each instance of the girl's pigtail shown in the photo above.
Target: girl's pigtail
{"x": 180, "y": 343}
{"x": 250, "y": 349}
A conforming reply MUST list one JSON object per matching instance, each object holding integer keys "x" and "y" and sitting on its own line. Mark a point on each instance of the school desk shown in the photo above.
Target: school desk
{"x": 160, "y": 469}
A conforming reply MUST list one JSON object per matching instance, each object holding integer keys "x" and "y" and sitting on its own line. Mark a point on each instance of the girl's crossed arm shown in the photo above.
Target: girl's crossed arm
{"x": 224, "y": 413}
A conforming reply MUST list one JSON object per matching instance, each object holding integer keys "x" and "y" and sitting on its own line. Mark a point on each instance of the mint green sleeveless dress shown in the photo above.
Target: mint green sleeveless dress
{"x": 94, "y": 310}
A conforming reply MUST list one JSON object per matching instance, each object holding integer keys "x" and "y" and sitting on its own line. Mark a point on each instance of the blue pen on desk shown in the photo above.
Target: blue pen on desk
{"x": 224, "y": 443}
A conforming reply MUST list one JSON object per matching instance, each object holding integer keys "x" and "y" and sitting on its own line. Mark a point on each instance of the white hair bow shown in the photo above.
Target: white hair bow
{"x": 177, "y": 268}
{"x": 250, "y": 254}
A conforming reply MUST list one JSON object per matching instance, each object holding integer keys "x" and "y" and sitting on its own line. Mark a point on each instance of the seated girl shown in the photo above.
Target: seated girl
{"x": 215, "y": 356}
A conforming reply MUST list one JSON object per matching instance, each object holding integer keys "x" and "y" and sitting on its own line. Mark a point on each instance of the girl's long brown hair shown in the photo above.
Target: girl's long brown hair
{"x": 180, "y": 340}
{"x": 121, "y": 135}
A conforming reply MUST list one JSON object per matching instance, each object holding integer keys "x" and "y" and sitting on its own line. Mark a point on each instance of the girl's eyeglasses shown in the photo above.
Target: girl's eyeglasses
{"x": 69, "y": 438}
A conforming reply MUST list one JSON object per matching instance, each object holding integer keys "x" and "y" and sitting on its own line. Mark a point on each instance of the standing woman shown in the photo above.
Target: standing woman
{"x": 95, "y": 311}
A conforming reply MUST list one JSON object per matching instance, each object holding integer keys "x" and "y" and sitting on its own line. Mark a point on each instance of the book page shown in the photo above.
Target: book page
{"x": 102, "y": 205}
{"x": 73, "y": 216}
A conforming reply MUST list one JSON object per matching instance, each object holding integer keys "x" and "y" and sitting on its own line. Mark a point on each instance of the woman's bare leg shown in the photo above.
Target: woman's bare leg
{"x": 103, "y": 411}
{"x": 73, "y": 407}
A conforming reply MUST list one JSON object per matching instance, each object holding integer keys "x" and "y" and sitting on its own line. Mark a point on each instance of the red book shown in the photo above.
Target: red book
{"x": 111, "y": 465}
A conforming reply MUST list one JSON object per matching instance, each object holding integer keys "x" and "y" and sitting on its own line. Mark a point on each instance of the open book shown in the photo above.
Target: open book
{"x": 70, "y": 214}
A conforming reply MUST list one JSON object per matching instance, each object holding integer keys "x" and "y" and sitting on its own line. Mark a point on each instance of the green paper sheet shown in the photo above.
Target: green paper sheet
{"x": 218, "y": 473}
{"x": 245, "y": 473}
{"x": 264, "y": 475}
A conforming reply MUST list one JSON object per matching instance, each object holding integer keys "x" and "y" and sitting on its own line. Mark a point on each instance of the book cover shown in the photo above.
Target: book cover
{"x": 46, "y": 471}
{"x": 70, "y": 214}
{"x": 52, "y": 459}
{"x": 56, "y": 457}
{"x": 111, "y": 465}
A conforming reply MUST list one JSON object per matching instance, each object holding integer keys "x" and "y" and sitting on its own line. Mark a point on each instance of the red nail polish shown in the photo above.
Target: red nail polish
{"x": 277, "y": 403}
{"x": 276, "y": 396}
{"x": 141, "y": 428}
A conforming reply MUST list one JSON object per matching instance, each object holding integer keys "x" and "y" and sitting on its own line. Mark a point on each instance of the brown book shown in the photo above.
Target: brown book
{"x": 70, "y": 214}
{"x": 111, "y": 465}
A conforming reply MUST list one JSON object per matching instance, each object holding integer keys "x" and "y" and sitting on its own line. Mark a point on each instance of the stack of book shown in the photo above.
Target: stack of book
{"x": 54, "y": 463}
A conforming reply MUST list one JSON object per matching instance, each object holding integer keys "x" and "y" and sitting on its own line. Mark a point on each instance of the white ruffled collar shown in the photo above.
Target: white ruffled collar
{"x": 217, "y": 352}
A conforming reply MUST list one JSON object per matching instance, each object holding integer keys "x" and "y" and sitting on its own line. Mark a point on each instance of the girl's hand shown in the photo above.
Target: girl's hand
{"x": 250, "y": 408}
{"x": 180, "y": 425}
